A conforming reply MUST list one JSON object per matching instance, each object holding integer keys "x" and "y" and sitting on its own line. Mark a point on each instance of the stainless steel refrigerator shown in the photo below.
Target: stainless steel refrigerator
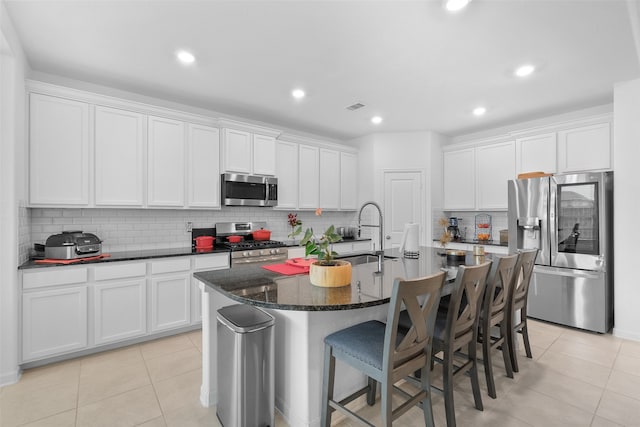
{"x": 569, "y": 218}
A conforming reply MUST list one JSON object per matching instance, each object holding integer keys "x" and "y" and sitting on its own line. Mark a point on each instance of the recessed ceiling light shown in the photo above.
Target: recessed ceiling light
{"x": 298, "y": 94}
{"x": 455, "y": 5}
{"x": 479, "y": 111}
{"x": 185, "y": 57}
{"x": 376, "y": 120}
{"x": 524, "y": 70}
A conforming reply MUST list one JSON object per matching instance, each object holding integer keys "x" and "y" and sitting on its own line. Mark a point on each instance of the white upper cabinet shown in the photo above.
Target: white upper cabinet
{"x": 348, "y": 181}
{"x": 237, "y": 151}
{"x": 459, "y": 174}
{"x": 329, "y": 179}
{"x": 495, "y": 165}
{"x": 166, "y": 163}
{"x": 248, "y": 153}
{"x": 264, "y": 155}
{"x": 287, "y": 174}
{"x": 309, "y": 177}
{"x": 536, "y": 154}
{"x": 585, "y": 148}
{"x": 203, "y": 169}
{"x": 119, "y": 157}
{"x": 58, "y": 151}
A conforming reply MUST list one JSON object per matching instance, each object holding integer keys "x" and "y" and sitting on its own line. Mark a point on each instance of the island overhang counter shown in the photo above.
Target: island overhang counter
{"x": 305, "y": 314}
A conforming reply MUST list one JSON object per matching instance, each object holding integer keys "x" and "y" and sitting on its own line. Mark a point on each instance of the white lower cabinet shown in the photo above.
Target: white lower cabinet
{"x": 119, "y": 310}
{"x": 170, "y": 302}
{"x": 66, "y": 309}
{"x": 53, "y": 322}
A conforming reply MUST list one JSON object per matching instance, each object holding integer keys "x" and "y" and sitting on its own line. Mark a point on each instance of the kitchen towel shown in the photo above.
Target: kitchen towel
{"x": 286, "y": 269}
{"x": 409, "y": 246}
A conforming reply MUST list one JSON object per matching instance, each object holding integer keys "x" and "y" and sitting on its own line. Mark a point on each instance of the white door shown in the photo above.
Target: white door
{"x": 204, "y": 166}
{"x": 166, "y": 154}
{"x": 402, "y": 204}
{"x": 53, "y": 322}
{"x": 58, "y": 151}
{"x": 119, "y": 310}
{"x": 119, "y": 157}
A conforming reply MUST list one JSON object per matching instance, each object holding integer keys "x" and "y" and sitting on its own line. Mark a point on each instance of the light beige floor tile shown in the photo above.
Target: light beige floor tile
{"x": 563, "y": 388}
{"x": 196, "y": 338}
{"x": 603, "y": 422}
{"x": 541, "y": 410}
{"x": 630, "y": 348}
{"x": 164, "y": 346}
{"x": 107, "y": 383}
{"x": 624, "y": 383}
{"x": 604, "y": 341}
{"x": 178, "y": 391}
{"x": 543, "y": 337}
{"x": 64, "y": 419}
{"x": 110, "y": 360}
{"x": 192, "y": 415}
{"x": 126, "y": 409}
{"x": 619, "y": 409}
{"x": 628, "y": 364}
{"x": 156, "y": 422}
{"x": 580, "y": 369}
{"x": 173, "y": 364}
{"x": 24, "y": 406}
{"x": 45, "y": 376}
{"x": 586, "y": 352}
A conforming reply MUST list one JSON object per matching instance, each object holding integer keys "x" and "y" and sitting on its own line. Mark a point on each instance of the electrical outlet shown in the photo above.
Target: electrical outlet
{"x": 189, "y": 227}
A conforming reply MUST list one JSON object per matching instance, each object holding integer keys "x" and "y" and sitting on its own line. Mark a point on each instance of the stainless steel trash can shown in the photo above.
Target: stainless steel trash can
{"x": 246, "y": 386}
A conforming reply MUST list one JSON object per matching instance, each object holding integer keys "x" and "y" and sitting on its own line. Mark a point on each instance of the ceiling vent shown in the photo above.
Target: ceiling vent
{"x": 355, "y": 106}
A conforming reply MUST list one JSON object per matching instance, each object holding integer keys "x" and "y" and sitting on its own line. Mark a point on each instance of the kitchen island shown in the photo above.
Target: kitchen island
{"x": 304, "y": 314}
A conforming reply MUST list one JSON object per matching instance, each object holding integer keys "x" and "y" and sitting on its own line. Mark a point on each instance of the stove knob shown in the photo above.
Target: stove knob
{"x": 274, "y": 251}
{"x": 245, "y": 254}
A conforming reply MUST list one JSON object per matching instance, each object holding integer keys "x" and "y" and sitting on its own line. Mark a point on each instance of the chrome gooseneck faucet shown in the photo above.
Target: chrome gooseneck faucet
{"x": 380, "y": 251}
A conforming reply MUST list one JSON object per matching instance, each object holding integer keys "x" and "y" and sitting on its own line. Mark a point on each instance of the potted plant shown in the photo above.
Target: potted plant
{"x": 326, "y": 271}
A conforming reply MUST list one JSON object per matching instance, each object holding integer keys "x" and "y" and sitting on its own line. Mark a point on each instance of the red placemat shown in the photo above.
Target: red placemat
{"x": 71, "y": 261}
{"x": 286, "y": 269}
{"x": 301, "y": 262}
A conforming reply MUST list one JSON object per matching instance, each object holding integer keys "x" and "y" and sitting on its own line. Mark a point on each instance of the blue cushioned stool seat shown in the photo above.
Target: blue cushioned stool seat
{"x": 364, "y": 342}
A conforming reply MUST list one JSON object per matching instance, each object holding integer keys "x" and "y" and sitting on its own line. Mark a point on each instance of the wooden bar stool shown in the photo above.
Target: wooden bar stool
{"x": 386, "y": 355}
{"x": 494, "y": 313}
{"x": 518, "y": 301}
{"x": 457, "y": 327}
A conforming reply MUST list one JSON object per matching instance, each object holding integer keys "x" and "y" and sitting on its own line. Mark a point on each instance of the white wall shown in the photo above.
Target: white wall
{"x": 400, "y": 151}
{"x": 13, "y": 69}
{"x": 626, "y": 155}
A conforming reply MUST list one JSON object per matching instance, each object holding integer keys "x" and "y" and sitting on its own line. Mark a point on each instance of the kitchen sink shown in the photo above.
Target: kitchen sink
{"x": 362, "y": 258}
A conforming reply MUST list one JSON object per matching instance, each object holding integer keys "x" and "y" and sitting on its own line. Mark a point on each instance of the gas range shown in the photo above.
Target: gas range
{"x": 248, "y": 250}
{"x": 252, "y": 244}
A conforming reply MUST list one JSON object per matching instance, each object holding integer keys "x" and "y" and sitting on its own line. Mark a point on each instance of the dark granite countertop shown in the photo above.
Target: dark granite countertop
{"x": 131, "y": 256}
{"x": 254, "y": 285}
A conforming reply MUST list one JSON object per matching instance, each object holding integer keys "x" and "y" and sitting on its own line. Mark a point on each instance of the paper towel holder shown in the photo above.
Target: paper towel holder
{"x": 408, "y": 253}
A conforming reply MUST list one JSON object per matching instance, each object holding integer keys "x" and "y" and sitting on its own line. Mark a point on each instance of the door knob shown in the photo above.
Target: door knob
{"x": 388, "y": 237}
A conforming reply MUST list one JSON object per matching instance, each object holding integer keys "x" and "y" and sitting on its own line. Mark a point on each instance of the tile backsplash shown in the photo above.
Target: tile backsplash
{"x": 466, "y": 223}
{"x": 141, "y": 229}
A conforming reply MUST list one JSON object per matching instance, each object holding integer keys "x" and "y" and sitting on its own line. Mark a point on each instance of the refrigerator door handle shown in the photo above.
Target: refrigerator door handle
{"x": 569, "y": 272}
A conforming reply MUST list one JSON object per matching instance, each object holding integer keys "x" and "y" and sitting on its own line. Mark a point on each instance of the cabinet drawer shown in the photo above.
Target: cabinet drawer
{"x": 53, "y": 276}
{"x": 170, "y": 265}
{"x": 208, "y": 262}
{"x": 120, "y": 271}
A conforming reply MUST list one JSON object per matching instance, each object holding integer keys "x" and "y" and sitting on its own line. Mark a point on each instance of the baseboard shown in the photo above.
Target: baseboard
{"x": 628, "y": 335}
{"x": 10, "y": 377}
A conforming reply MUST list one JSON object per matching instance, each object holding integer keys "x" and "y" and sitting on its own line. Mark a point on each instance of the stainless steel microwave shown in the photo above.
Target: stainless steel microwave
{"x": 249, "y": 190}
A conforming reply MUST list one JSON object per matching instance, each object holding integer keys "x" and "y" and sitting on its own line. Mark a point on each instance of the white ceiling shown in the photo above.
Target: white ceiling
{"x": 413, "y": 63}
